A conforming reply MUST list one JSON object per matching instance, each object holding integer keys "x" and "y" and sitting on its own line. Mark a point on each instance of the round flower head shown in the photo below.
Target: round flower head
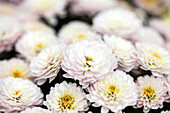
{"x": 47, "y": 64}
{"x": 32, "y": 43}
{"x": 151, "y": 93}
{"x": 154, "y": 58}
{"x": 10, "y": 31}
{"x": 124, "y": 51}
{"x": 36, "y": 110}
{"x": 15, "y": 68}
{"x": 152, "y": 6}
{"x": 36, "y": 26}
{"x": 46, "y": 8}
{"x": 116, "y": 21}
{"x": 88, "y": 61}
{"x": 91, "y": 7}
{"x": 66, "y": 98}
{"x": 77, "y": 31}
{"x": 148, "y": 35}
{"x": 165, "y": 111}
{"x": 115, "y": 92}
{"x": 17, "y": 94}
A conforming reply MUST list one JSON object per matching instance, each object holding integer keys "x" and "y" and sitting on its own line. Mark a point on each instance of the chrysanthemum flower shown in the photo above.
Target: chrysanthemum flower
{"x": 32, "y": 43}
{"x": 88, "y": 61}
{"x": 66, "y": 98}
{"x": 10, "y": 30}
{"x": 115, "y": 92}
{"x": 165, "y": 111}
{"x": 46, "y": 8}
{"x": 116, "y": 21}
{"x": 36, "y": 110}
{"x": 77, "y": 31}
{"x": 14, "y": 67}
{"x": 91, "y": 7}
{"x": 47, "y": 64}
{"x": 123, "y": 50}
{"x": 151, "y": 93}
{"x": 18, "y": 94}
{"x": 154, "y": 58}
{"x": 148, "y": 35}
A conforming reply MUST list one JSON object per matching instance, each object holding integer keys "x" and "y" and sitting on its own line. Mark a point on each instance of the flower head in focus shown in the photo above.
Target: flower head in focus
{"x": 151, "y": 91}
{"x": 36, "y": 110}
{"x": 18, "y": 94}
{"x": 115, "y": 92}
{"x": 66, "y": 98}
{"x": 88, "y": 61}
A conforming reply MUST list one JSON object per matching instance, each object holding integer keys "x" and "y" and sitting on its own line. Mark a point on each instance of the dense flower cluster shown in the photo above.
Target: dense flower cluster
{"x": 84, "y": 56}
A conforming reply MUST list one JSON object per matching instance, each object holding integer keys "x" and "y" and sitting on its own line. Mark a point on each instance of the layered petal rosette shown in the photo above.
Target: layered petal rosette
{"x": 115, "y": 92}
{"x": 151, "y": 91}
{"x": 88, "y": 61}
{"x": 47, "y": 64}
{"x": 66, "y": 98}
{"x": 36, "y": 110}
{"x": 154, "y": 58}
{"x": 124, "y": 51}
{"x": 17, "y": 94}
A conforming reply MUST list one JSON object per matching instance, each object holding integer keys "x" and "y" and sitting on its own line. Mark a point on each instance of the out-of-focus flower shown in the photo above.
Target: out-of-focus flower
{"x": 154, "y": 58}
{"x": 155, "y": 7}
{"x": 117, "y": 21}
{"x": 66, "y": 98}
{"x": 32, "y": 43}
{"x": 167, "y": 83}
{"x": 88, "y": 61}
{"x": 168, "y": 46}
{"x": 77, "y": 31}
{"x": 151, "y": 93}
{"x": 7, "y": 9}
{"x": 36, "y": 110}
{"x": 124, "y": 51}
{"x": 115, "y": 92}
{"x": 148, "y": 35}
{"x": 91, "y": 7}
{"x": 36, "y": 26}
{"x": 46, "y": 8}
{"x": 165, "y": 111}
{"x": 14, "y": 67}
{"x": 47, "y": 64}
{"x": 18, "y": 94}
{"x": 10, "y": 30}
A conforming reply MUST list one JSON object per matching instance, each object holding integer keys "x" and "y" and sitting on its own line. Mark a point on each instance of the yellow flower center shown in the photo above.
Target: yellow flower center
{"x": 16, "y": 92}
{"x": 112, "y": 93}
{"x": 40, "y": 45}
{"x": 150, "y": 93}
{"x": 88, "y": 59}
{"x": 17, "y": 74}
{"x": 80, "y": 37}
{"x": 17, "y": 97}
{"x": 66, "y": 102}
{"x": 49, "y": 57}
{"x": 157, "y": 55}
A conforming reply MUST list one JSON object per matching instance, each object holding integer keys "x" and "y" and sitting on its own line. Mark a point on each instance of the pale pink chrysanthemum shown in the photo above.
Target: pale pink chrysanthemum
{"x": 36, "y": 110}
{"x": 151, "y": 91}
{"x": 117, "y": 21}
{"x": 124, "y": 51}
{"x": 88, "y": 61}
{"x": 47, "y": 64}
{"x": 115, "y": 92}
{"x": 16, "y": 94}
{"x": 10, "y": 31}
{"x": 66, "y": 98}
{"x": 154, "y": 58}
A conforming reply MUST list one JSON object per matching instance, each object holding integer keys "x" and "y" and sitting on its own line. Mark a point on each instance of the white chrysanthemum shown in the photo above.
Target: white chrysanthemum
{"x": 47, "y": 64}
{"x": 14, "y": 67}
{"x": 116, "y": 21}
{"x": 115, "y": 92}
{"x": 91, "y": 7}
{"x": 148, "y": 35}
{"x": 18, "y": 94}
{"x": 36, "y": 110}
{"x": 10, "y": 30}
{"x": 66, "y": 98}
{"x": 36, "y": 26}
{"x": 88, "y": 61}
{"x": 77, "y": 31}
{"x": 151, "y": 93}
{"x": 165, "y": 111}
{"x": 46, "y": 8}
{"x": 154, "y": 58}
{"x": 33, "y": 42}
{"x": 124, "y": 51}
